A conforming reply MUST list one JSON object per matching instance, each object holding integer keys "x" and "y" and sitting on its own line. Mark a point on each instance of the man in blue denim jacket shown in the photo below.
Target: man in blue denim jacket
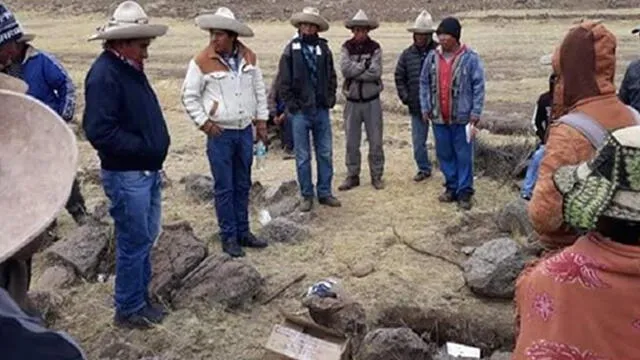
{"x": 452, "y": 97}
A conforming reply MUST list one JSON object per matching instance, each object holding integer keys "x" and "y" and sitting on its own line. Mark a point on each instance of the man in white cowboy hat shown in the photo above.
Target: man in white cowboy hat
{"x": 308, "y": 84}
{"x": 123, "y": 121}
{"x": 361, "y": 66}
{"x": 407, "y": 78}
{"x": 223, "y": 93}
{"x": 34, "y": 186}
{"x": 50, "y": 83}
{"x": 629, "y": 91}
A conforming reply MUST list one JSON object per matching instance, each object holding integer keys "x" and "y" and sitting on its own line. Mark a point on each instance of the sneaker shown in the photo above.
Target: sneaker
{"x": 447, "y": 197}
{"x": 252, "y": 241}
{"x": 421, "y": 176}
{"x": 330, "y": 201}
{"x": 349, "y": 183}
{"x": 232, "y": 247}
{"x": 465, "y": 202}
{"x": 377, "y": 183}
{"x": 307, "y": 204}
{"x": 142, "y": 319}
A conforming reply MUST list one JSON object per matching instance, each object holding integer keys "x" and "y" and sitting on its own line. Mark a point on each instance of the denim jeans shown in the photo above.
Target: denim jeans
{"x": 316, "y": 122}
{"x": 286, "y": 131}
{"x": 230, "y": 157}
{"x": 136, "y": 208}
{"x": 532, "y": 173}
{"x": 419, "y": 133}
{"x": 455, "y": 156}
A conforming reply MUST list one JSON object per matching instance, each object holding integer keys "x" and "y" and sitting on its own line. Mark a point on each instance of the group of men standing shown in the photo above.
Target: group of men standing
{"x": 225, "y": 96}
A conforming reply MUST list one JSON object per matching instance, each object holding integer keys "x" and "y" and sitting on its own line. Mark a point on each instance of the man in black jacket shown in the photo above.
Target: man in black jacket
{"x": 630, "y": 88}
{"x": 123, "y": 121}
{"x": 407, "y": 77}
{"x": 308, "y": 85}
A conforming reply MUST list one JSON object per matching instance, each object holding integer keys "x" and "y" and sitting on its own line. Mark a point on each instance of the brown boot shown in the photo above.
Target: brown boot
{"x": 349, "y": 183}
{"x": 377, "y": 183}
{"x": 447, "y": 197}
{"x": 330, "y": 201}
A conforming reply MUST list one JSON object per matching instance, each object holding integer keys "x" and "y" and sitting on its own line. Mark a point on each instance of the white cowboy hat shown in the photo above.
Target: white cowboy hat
{"x": 424, "y": 24}
{"x": 310, "y": 15}
{"x": 129, "y": 21}
{"x": 8, "y": 82}
{"x": 38, "y": 157}
{"x": 223, "y": 19}
{"x": 360, "y": 19}
{"x": 27, "y": 37}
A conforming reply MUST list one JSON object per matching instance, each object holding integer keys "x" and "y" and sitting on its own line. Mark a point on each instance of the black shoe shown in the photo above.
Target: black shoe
{"x": 330, "y": 201}
{"x": 253, "y": 242}
{"x": 465, "y": 202}
{"x": 143, "y": 319}
{"x": 307, "y": 204}
{"x": 447, "y": 197}
{"x": 421, "y": 176}
{"x": 232, "y": 247}
{"x": 155, "y": 307}
{"x": 349, "y": 183}
{"x": 377, "y": 183}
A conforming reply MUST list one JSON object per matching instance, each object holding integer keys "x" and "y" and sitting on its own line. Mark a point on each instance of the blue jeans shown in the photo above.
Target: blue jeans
{"x": 286, "y": 130}
{"x": 316, "y": 122}
{"x": 419, "y": 133}
{"x": 455, "y": 156}
{"x": 532, "y": 173}
{"x": 230, "y": 157}
{"x": 136, "y": 208}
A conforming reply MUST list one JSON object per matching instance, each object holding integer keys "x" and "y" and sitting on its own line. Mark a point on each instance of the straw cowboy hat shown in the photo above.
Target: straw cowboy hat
{"x": 8, "y": 82}
{"x": 424, "y": 24}
{"x": 360, "y": 19}
{"x": 223, "y": 19}
{"x": 38, "y": 157}
{"x": 129, "y": 21}
{"x": 27, "y": 37}
{"x": 310, "y": 15}
{"x": 608, "y": 185}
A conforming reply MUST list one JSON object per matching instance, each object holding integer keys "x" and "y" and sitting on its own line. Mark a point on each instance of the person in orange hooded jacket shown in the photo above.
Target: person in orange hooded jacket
{"x": 585, "y": 63}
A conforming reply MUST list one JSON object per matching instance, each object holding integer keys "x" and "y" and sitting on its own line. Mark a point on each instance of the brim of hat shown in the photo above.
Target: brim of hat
{"x": 636, "y": 30}
{"x": 38, "y": 164}
{"x": 300, "y": 18}
{"x": 26, "y": 37}
{"x": 421, "y": 30}
{"x": 625, "y": 206}
{"x": 371, "y": 24}
{"x": 8, "y": 82}
{"x": 217, "y": 22}
{"x": 131, "y": 31}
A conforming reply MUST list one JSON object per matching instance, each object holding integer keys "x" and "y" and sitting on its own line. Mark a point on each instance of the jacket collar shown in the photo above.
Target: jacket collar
{"x": 244, "y": 53}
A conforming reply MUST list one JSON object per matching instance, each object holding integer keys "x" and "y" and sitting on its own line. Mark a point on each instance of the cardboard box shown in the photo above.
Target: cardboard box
{"x": 300, "y": 339}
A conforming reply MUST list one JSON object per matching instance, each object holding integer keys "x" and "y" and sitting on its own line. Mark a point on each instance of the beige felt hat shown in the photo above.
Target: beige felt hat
{"x": 424, "y": 24}
{"x": 360, "y": 19}
{"x": 310, "y": 15}
{"x": 38, "y": 157}
{"x": 27, "y": 37}
{"x": 8, "y": 82}
{"x": 223, "y": 19}
{"x": 129, "y": 21}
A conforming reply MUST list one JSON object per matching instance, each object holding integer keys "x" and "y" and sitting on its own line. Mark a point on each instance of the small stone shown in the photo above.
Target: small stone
{"x": 363, "y": 268}
{"x": 468, "y": 250}
{"x": 283, "y": 230}
{"x": 56, "y": 277}
{"x": 396, "y": 344}
{"x": 199, "y": 187}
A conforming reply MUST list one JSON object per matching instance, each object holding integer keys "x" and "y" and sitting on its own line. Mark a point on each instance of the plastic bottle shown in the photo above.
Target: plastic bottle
{"x": 261, "y": 155}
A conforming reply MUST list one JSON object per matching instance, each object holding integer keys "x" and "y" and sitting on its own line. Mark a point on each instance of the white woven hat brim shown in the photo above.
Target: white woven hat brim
{"x": 422, "y": 30}
{"x": 27, "y": 37}
{"x": 130, "y": 31}
{"x": 371, "y": 24}
{"x": 218, "y": 22}
{"x": 300, "y": 18}
{"x": 38, "y": 159}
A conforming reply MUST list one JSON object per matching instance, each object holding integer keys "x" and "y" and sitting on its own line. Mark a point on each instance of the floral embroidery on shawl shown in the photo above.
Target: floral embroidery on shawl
{"x": 548, "y": 350}
{"x": 636, "y": 324}
{"x": 543, "y": 306}
{"x": 569, "y": 267}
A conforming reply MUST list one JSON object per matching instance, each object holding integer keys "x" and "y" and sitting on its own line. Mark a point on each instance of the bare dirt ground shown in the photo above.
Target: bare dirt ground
{"x": 362, "y": 229}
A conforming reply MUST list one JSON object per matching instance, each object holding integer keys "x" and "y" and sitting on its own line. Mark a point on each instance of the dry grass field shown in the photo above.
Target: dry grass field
{"x": 362, "y": 229}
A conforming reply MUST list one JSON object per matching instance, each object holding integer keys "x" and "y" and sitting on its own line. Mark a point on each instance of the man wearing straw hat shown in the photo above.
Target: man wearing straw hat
{"x": 308, "y": 85}
{"x": 124, "y": 123}
{"x": 223, "y": 93}
{"x": 407, "y": 78}
{"x": 361, "y": 65}
{"x": 629, "y": 91}
{"x": 34, "y": 186}
{"x": 48, "y": 82}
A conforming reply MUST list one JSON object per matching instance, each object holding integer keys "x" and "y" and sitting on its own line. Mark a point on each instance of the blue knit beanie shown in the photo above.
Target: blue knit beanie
{"x": 9, "y": 27}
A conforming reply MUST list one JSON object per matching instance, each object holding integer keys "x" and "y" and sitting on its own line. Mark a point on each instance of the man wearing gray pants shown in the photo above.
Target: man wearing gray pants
{"x": 361, "y": 65}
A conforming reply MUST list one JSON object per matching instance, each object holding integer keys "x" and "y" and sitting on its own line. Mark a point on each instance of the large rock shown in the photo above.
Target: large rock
{"x": 219, "y": 279}
{"x": 56, "y": 277}
{"x": 396, "y": 344}
{"x": 83, "y": 250}
{"x": 284, "y": 207}
{"x": 494, "y": 267}
{"x": 45, "y": 305}
{"x": 514, "y": 218}
{"x": 280, "y": 200}
{"x": 499, "y": 355}
{"x": 177, "y": 252}
{"x": 283, "y": 230}
{"x": 278, "y": 193}
{"x": 199, "y": 187}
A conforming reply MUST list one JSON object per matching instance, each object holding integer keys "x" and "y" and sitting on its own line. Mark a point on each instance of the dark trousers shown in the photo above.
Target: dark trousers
{"x": 75, "y": 204}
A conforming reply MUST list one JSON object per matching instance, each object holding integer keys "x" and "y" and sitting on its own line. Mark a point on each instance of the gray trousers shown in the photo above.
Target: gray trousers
{"x": 369, "y": 113}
